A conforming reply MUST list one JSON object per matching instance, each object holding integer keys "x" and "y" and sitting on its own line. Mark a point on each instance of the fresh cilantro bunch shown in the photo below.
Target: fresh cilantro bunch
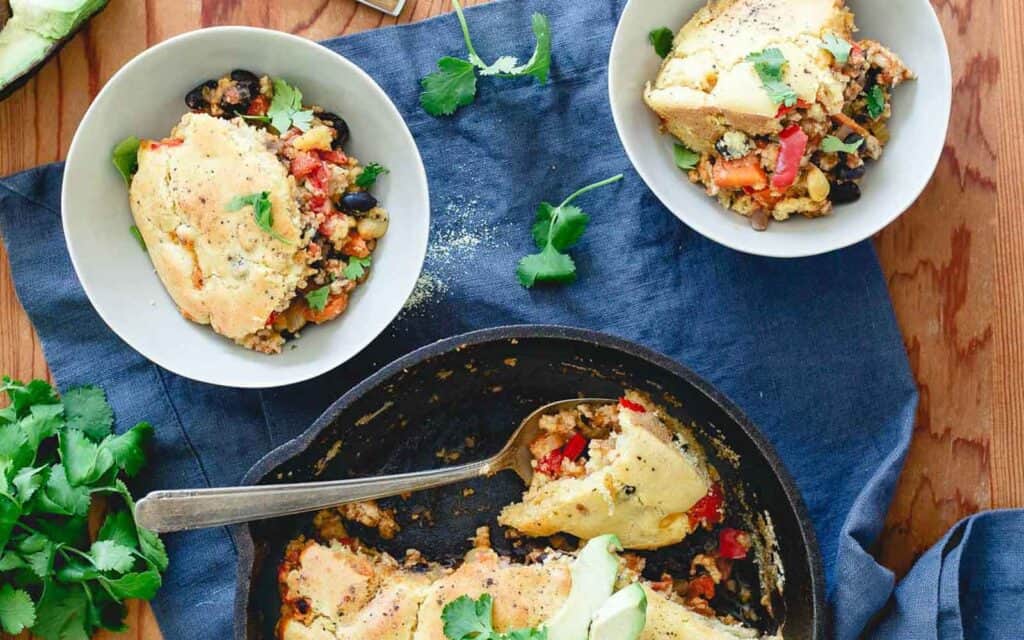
{"x": 56, "y": 455}
{"x": 768, "y": 64}
{"x": 468, "y": 619}
{"x": 453, "y": 85}
{"x": 555, "y": 230}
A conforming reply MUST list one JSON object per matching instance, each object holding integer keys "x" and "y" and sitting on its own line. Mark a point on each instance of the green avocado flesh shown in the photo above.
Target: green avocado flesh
{"x": 35, "y": 31}
{"x": 622, "y": 616}
{"x": 593, "y": 579}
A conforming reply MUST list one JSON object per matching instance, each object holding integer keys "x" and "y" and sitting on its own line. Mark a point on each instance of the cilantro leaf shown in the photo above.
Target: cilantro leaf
{"x": 119, "y": 527}
{"x": 23, "y": 396}
{"x": 17, "y": 612}
{"x": 126, "y": 157}
{"x": 769, "y": 64}
{"x": 555, "y": 230}
{"x": 134, "y": 230}
{"x": 317, "y": 298}
{"x": 143, "y": 585}
{"x": 87, "y": 410}
{"x": 59, "y": 497}
{"x": 285, "y": 110}
{"x": 42, "y": 422}
{"x": 128, "y": 449}
{"x": 356, "y": 267}
{"x": 838, "y": 47}
{"x": 465, "y": 618}
{"x": 79, "y": 455}
{"x": 832, "y": 144}
{"x": 685, "y": 158}
{"x": 661, "y": 39}
{"x": 9, "y": 514}
{"x": 451, "y": 87}
{"x": 108, "y": 555}
{"x": 62, "y": 613}
{"x": 261, "y": 212}
{"x": 27, "y": 481}
{"x": 876, "y": 102}
{"x": 369, "y": 175}
{"x": 152, "y": 548}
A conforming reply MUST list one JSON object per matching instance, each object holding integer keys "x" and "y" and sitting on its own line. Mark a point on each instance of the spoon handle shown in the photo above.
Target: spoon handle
{"x": 186, "y": 509}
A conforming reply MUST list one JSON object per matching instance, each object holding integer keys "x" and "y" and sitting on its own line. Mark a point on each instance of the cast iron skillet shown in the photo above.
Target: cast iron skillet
{"x": 482, "y": 384}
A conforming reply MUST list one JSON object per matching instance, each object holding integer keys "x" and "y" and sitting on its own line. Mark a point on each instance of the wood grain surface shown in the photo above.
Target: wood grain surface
{"x": 954, "y": 262}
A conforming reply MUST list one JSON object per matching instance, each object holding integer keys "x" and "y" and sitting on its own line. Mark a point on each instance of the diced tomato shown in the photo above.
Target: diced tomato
{"x": 792, "y": 145}
{"x": 575, "y": 447}
{"x": 735, "y": 174}
{"x": 733, "y": 544}
{"x": 800, "y": 104}
{"x": 319, "y": 178}
{"x": 258, "y": 106}
{"x": 708, "y": 510}
{"x": 551, "y": 464}
{"x": 334, "y": 156}
{"x": 304, "y": 164}
{"x": 702, "y": 586}
{"x": 626, "y": 403}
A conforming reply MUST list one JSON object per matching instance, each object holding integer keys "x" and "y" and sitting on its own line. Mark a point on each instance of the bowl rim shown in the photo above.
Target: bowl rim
{"x": 242, "y": 533}
{"x": 930, "y": 159}
{"x": 233, "y": 379}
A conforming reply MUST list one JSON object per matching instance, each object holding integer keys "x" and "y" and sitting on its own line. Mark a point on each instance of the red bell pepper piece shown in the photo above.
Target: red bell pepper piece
{"x": 625, "y": 403}
{"x": 792, "y": 145}
{"x": 575, "y": 447}
{"x": 733, "y": 544}
{"x": 258, "y": 106}
{"x": 708, "y": 510}
{"x": 800, "y": 104}
{"x": 551, "y": 464}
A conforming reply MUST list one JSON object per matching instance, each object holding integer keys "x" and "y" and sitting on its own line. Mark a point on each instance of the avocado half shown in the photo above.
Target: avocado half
{"x": 35, "y": 30}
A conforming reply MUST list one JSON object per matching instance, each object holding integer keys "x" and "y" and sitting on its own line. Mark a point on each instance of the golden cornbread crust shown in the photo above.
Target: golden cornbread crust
{"x": 218, "y": 266}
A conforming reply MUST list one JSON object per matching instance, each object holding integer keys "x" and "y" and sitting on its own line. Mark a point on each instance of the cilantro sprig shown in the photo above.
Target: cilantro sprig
{"x": 661, "y": 39}
{"x": 769, "y": 64}
{"x": 368, "y": 177}
{"x": 838, "y": 47}
{"x": 467, "y": 619}
{"x": 317, "y": 298}
{"x": 555, "y": 230}
{"x": 286, "y": 110}
{"x": 126, "y": 157}
{"x": 56, "y": 456}
{"x": 356, "y": 267}
{"x": 686, "y": 158}
{"x": 261, "y": 212}
{"x": 876, "y": 102}
{"x": 453, "y": 85}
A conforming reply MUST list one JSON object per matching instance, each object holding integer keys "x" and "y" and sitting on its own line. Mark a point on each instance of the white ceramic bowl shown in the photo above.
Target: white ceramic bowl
{"x": 920, "y": 118}
{"x": 145, "y": 98}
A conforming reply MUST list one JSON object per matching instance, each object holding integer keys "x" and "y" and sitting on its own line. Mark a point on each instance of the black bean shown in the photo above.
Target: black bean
{"x": 358, "y": 201}
{"x": 237, "y": 97}
{"x": 195, "y": 99}
{"x": 241, "y": 75}
{"x": 339, "y": 125}
{"x": 845, "y": 173}
{"x": 845, "y": 192}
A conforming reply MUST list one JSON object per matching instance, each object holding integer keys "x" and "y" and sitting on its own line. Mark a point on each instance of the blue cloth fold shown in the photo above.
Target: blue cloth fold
{"x": 808, "y": 348}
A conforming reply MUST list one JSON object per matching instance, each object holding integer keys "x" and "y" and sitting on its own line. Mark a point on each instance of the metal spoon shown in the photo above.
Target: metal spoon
{"x": 186, "y": 509}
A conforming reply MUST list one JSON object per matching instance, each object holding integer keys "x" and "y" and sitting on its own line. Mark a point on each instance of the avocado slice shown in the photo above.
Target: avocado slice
{"x": 593, "y": 579}
{"x": 34, "y": 32}
{"x": 622, "y": 616}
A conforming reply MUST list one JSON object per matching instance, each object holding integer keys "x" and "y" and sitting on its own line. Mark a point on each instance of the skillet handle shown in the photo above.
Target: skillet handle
{"x": 186, "y": 509}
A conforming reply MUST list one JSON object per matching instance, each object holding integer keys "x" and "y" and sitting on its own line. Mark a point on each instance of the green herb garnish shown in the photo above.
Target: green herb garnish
{"x": 876, "y": 102}
{"x": 838, "y": 47}
{"x": 126, "y": 157}
{"x": 56, "y": 454}
{"x": 661, "y": 39}
{"x": 138, "y": 237}
{"x": 370, "y": 174}
{"x": 832, "y": 144}
{"x": 317, "y": 298}
{"x": 467, "y": 619}
{"x": 453, "y": 85}
{"x": 261, "y": 211}
{"x": 685, "y": 158}
{"x": 356, "y": 267}
{"x": 286, "y": 110}
{"x": 555, "y": 230}
{"x": 768, "y": 64}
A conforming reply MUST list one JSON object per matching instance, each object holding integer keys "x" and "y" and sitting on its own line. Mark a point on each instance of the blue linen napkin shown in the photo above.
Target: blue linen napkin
{"x": 808, "y": 348}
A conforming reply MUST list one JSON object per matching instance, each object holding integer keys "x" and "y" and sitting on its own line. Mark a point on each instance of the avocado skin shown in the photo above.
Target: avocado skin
{"x": 18, "y": 81}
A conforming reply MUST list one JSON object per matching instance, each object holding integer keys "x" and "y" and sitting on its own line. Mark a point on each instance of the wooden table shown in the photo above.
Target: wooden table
{"x": 954, "y": 262}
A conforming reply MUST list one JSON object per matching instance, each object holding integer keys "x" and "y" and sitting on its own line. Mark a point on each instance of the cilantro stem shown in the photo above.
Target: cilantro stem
{"x": 465, "y": 32}
{"x": 596, "y": 185}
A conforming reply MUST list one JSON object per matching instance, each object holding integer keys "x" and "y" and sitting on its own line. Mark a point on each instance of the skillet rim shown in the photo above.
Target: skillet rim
{"x": 812, "y": 553}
